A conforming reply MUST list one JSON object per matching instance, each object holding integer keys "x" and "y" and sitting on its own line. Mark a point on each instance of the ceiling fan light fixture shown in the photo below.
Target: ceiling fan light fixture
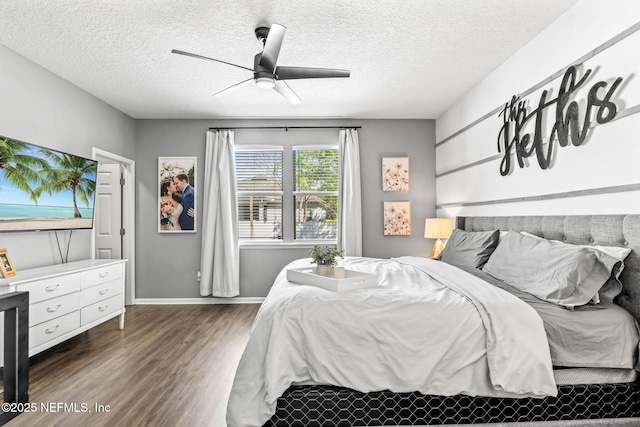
{"x": 265, "y": 82}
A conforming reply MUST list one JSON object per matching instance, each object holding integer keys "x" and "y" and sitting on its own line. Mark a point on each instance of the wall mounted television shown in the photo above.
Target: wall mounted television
{"x": 44, "y": 189}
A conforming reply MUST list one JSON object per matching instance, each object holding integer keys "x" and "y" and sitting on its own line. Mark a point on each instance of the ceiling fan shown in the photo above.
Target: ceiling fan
{"x": 265, "y": 72}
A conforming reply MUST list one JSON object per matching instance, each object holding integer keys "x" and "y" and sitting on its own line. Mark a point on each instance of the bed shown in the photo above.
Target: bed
{"x": 458, "y": 355}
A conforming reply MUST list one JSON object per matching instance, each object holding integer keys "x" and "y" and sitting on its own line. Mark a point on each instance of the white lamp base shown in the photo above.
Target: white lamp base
{"x": 437, "y": 248}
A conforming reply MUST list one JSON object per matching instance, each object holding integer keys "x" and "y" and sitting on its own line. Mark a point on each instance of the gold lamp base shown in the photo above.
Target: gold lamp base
{"x": 437, "y": 248}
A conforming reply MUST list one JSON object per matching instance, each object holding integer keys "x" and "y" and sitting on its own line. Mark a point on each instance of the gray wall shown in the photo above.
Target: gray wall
{"x": 167, "y": 264}
{"x": 44, "y": 109}
{"x": 41, "y": 108}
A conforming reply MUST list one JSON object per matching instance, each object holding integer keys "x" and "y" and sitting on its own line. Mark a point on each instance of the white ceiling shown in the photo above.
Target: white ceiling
{"x": 408, "y": 59}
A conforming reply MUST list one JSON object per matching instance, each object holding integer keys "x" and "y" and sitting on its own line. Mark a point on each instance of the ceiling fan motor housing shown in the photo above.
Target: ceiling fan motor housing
{"x": 262, "y": 74}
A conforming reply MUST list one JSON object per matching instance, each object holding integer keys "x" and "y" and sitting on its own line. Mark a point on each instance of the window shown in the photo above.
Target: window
{"x": 287, "y": 195}
{"x": 259, "y": 193}
{"x": 315, "y": 193}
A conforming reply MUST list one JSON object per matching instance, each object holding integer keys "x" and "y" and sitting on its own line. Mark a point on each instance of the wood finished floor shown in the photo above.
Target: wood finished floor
{"x": 171, "y": 366}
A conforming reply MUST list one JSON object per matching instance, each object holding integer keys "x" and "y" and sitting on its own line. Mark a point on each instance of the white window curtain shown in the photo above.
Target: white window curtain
{"x": 350, "y": 206}
{"x": 220, "y": 262}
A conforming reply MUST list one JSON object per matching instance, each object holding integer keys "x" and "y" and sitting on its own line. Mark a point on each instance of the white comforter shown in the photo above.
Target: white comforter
{"x": 428, "y": 327}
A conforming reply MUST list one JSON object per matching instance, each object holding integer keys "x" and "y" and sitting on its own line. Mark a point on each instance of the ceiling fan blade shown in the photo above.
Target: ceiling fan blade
{"x": 290, "y": 73}
{"x": 193, "y": 55}
{"x": 283, "y": 89}
{"x": 232, "y": 88}
{"x": 272, "y": 47}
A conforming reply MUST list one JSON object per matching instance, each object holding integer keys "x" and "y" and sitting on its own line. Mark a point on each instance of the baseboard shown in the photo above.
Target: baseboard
{"x": 203, "y": 300}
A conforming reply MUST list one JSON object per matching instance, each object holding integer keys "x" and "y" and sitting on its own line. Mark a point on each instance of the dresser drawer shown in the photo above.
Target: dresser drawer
{"x": 55, "y": 307}
{"x": 95, "y": 276}
{"x": 100, "y": 292}
{"x": 101, "y": 309}
{"x": 41, "y": 290}
{"x": 54, "y": 328}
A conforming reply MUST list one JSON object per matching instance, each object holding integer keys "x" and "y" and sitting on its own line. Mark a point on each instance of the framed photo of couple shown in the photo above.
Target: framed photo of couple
{"x": 176, "y": 194}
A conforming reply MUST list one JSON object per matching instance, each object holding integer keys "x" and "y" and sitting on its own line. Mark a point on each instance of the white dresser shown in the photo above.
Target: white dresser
{"x": 67, "y": 299}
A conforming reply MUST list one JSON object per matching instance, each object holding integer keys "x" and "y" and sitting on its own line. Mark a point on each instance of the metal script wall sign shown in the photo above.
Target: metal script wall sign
{"x": 515, "y": 117}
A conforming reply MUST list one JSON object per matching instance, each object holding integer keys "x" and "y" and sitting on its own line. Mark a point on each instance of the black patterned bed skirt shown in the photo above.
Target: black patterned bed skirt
{"x": 336, "y": 406}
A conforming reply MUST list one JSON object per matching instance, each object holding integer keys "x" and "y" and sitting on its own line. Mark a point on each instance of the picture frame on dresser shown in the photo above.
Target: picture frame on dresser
{"x": 6, "y": 266}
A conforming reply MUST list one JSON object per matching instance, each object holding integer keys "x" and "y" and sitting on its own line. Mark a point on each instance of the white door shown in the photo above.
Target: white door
{"x": 108, "y": 216}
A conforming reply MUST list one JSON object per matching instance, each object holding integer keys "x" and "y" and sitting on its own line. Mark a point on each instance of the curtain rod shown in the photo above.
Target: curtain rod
{"x": 287, "y": 127}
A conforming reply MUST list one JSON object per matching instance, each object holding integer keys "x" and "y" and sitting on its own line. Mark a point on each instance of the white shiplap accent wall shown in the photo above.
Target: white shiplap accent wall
{"x": 609, "y": 157}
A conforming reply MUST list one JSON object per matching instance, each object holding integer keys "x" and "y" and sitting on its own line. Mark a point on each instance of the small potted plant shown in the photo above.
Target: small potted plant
{"x": 325, "y": 258}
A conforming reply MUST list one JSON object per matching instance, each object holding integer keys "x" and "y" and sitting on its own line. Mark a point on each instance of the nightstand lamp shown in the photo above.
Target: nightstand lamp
{"x": 437, "y": 228}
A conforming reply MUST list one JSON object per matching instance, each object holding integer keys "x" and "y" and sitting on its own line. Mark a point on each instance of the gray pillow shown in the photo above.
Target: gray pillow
{"x": 470, "y": 248}
{"x": 563, "y": 274}
{"x": 613, "y": 287}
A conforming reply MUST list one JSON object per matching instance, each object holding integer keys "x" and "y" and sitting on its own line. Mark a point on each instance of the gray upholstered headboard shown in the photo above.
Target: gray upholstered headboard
{"x": 606, "y": 230}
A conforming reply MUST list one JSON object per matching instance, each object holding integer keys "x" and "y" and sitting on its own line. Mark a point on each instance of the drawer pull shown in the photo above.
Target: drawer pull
{"x": 103, "y": 275}
{"x": 51, "y": 330}
{"x": 52, "y": 288}
{"x": 104, "y": 291}
{"x": 103, "y": 307}
{"x": 53, "y": 309}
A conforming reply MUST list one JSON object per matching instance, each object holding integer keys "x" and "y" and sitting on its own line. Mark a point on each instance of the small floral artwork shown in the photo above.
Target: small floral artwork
{"x": 397, "y": 218}
{"x": 395, "y": 174}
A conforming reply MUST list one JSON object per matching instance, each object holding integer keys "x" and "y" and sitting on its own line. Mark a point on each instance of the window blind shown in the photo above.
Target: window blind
{"x": 315, "y": 195}
{"x": 259, "y": 193}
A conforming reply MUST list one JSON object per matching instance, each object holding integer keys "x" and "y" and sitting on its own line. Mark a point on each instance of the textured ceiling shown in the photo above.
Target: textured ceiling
{"x": 408, "y": 59}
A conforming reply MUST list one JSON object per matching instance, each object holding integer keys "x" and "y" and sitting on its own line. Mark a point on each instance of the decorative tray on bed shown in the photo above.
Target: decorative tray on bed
{"x": 343, "y": 280}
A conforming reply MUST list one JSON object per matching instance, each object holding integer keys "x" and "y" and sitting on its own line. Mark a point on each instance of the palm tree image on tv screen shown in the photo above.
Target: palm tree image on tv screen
{"x": 43, "y": 189}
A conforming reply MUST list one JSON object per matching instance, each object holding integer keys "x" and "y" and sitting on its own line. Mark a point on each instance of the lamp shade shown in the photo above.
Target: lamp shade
{"x": 438, "y": 228}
